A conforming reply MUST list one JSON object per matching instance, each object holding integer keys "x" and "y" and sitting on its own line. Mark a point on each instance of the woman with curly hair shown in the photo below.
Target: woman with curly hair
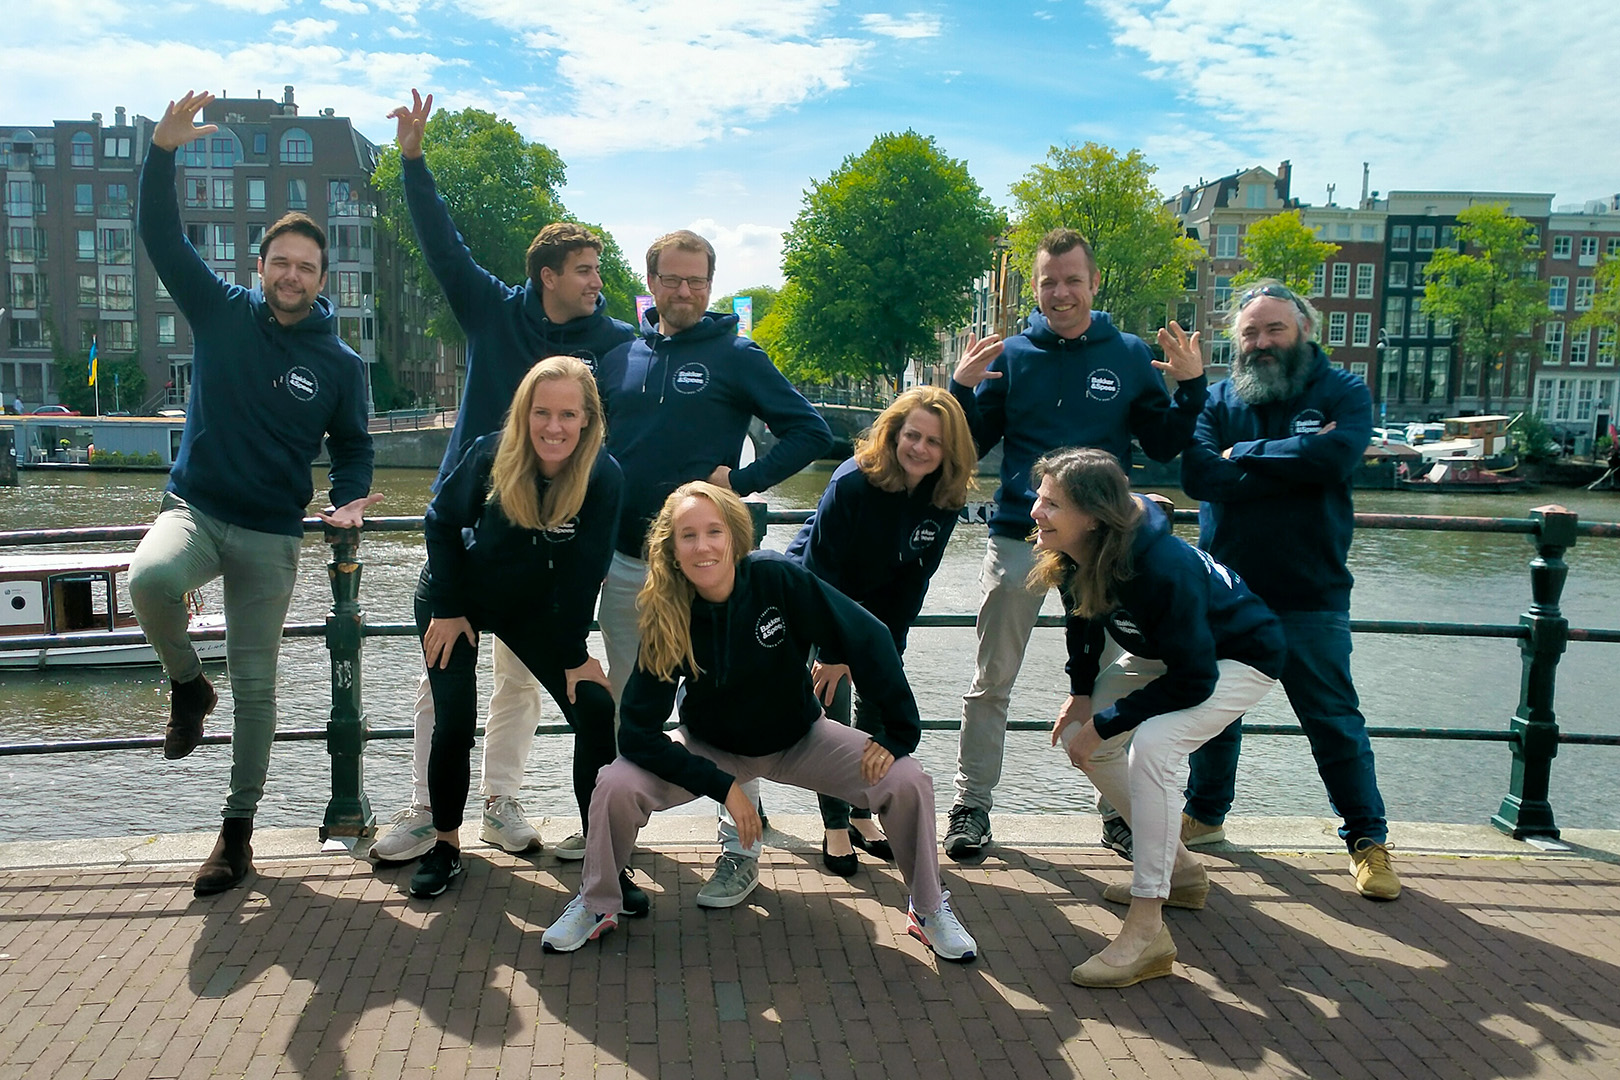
{"x": 725, "y": 632}
{"x": 1193, "y": 648}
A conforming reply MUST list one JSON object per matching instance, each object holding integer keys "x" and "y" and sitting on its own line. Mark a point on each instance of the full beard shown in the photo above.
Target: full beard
{"x": 1281, "y": 379}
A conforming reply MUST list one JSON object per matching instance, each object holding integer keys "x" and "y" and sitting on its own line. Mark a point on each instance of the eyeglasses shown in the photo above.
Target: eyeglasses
{"x": 673, "y": 282}
{"x": 1279, "y": 292}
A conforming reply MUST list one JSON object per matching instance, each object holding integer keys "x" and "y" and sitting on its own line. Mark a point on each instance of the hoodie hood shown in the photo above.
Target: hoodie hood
{"x": 1154, "y": 525}
{"x": 543, "y": 334}
{"x": 322, "y": 317}
{"x": 1040, "y": 331}
{"x": 713, "y": 325}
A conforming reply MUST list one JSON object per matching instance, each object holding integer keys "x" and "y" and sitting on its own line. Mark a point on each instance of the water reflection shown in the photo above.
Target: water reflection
{"x": 1403, "y": 681}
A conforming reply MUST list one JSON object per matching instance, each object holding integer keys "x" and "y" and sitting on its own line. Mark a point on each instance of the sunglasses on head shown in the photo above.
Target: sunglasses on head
{"x": 1280, "y": 292}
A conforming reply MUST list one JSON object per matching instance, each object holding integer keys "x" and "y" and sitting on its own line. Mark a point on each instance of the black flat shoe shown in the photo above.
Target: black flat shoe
{"x": 842, "y": 865}
{"x": 878, "y": 849}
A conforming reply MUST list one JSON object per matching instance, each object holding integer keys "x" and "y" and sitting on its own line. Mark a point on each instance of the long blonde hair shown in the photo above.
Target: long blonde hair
{"x": 1094, "y": 483}
{"x": 514, "y": 481}
{"x": 664, "y": 605}
{"x": 877, "y": 451}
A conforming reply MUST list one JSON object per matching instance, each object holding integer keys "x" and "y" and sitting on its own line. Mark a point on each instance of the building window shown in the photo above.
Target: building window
{"x": 1611, "y": 246}
{"x": 1439, "y": 370}
{"x": 1364, "y": 281}
{"x": 1397, "y": 275}
{"x": 1359, "y": 370}
{"x": 87, "y": 244}
{"x": 1425, "y": 238}
{"x": 1223, "y": 291}
{"x": 1469, "y": 386}
{"x": 255, "y": 192}
{"x": 255, "y": 236}
{"x": 194, "y": 155}
{"x": 340, "y": 199}
{"x": 297, "y": 195}
{"x": 118, "y": 292}
{"x": 224, "y": 152}
{"x": 116, "y": 146}
{"x": 1557, "y": 293}
{"x": 296, "y": 148}
{"x": 118, "y": 204}
{"x": 1368, "y": 233}
{"x": 21, "y": 243}
{"x": 1341, "y": 232}
{"x": 1336, "y": 321}
{"x": 30, "y": 334}
{"x": 1226, "y": 241}
{"x": 87, "y": 290}
{"x": 1521, "y": 374}
{"x": 1583, "y": 293}
{"x": 1420, "y": 272}
{"x": 1448, "y": 237}
{"x": 225, "y": 243}
{"x": 1255, "y": 197}
{"x": 1400, "y": 238}
{"x": 1412, "y": 388}
{"x": 82, "y": 150}
{"x": 115, "y": 247}
{"x": 349, "y": 331}
{"x": 196, "y": 192}
{"x": 1605, "y": 347}
{"x": 224, "y": 193}
{"x": 19, "y": 198}
{"x": 84, "y": 198}
{"x": 1362, "y": 332}
{"x": 25, "y": 293}
{"x": 165, "y": 329}
{"x": 118, "y": 335}
{"x": 1395, "y": 316}
{"x": 260, "y": 143}
{"x": 348, "y": 293}
{"x": 1220, "y": 351}
{"x": 1420, "y": 321}
{"x": 1580, "y": 349}
{"x": 1588, "y": 250}
{"x": 45, "y": 153}
{"x": 1389, "y": 373}
{"x": 1341, "y": 279}
{"x": 87, "y": 333}
{"x": 1190, "y": 283}
{"x": 1552, "y": 342}
{"x": 1562, "y": 246}
{"x": 1319, "y": 279}
{"x": 1442, "y": 326}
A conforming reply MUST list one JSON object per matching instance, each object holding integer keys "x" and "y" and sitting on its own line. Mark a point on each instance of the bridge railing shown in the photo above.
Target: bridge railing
{"x": 1533, "y": 735}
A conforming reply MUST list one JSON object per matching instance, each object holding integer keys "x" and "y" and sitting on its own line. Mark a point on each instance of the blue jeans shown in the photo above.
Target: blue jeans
{"x": 1316, "y": 677}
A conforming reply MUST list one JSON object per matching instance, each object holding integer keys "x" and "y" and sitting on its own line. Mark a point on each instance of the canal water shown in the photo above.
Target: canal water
{"x": 1404, "y": 681}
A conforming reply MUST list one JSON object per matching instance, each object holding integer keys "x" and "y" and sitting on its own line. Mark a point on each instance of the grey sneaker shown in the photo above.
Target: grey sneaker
{"x": 735, "y": 876}
{"x": 1117, "y": 836}
{"x": 507, "y": 828}
{"x": 968, "y": 832}
{"x": 571, "y": 849}
{"x": 410, "y": 835}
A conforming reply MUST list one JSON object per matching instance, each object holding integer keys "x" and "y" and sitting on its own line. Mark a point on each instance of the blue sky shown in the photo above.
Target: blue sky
{"x": 717, "y": 115}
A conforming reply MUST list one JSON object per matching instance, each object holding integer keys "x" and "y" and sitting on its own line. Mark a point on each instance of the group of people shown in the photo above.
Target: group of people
{"x": 596, "y": 468}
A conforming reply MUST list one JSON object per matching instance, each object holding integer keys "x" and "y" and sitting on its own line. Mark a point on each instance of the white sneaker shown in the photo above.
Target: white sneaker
{"x": 942, "y": 931}
{"x": 571, "y": 849}
{"x": 410, "y": 835}
{"x": 506, "y": 827}
{"x": 575, "y": 926}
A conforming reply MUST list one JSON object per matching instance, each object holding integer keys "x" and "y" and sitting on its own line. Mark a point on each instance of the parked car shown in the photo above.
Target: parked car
{"x": 56, "y": 410}
{"x": 1418, "y": 434}
{"x": 1389, "y": 435}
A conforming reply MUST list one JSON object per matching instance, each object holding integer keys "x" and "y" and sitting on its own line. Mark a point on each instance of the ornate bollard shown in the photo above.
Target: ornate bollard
{"x": 761, "y": 515}
{"x": 1525, "y": 810}
{"x": 349, "y": 811}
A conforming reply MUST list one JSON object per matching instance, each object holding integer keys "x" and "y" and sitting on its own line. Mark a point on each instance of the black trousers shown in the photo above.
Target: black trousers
{"x": 455, "y": 708}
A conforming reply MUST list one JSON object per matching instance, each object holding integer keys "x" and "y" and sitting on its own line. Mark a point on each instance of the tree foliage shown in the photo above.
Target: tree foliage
{"x": 1282, "y": 247}
{"x": 1489, "y": 289}
{"x": 1142, "y": 256}
{"x": 122, "y": 380}
{"x": 763, "y": 296}
{"x": 881, "y": 256}
{"x": 1604, "y": 316}
{"x": 501, "y": 190}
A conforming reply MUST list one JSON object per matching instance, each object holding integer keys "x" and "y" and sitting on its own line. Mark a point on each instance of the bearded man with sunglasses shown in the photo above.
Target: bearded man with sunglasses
{"x": 1271, "y": 463}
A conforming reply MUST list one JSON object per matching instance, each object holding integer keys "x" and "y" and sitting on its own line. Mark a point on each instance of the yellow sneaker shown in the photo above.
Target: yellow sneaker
{"x": 1375, "y": 877}
{"x": 1195, "y": 833}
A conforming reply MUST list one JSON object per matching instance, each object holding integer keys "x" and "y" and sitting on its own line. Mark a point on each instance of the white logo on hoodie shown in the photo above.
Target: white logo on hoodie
{"x": 771, "y": 629}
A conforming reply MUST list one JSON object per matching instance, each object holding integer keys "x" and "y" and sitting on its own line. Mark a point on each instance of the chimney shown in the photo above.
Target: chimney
{"x": 1366, "y": 178}
{"x": 95, "y": 118}
{"x": 1284, "y": 175}
{"x": 118, "y": 115}
{"x": 288, "y": 107}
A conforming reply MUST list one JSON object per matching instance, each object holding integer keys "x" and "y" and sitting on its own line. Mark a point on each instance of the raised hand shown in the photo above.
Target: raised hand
{"x": 974, "y": 366}
{"x": 1183, "y": 357}
{"x": 179, "y": 126}
{"x": 412, "y": 119}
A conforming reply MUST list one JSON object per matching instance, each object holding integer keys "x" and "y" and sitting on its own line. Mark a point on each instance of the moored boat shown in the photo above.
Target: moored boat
{"x": 81, "y": 593}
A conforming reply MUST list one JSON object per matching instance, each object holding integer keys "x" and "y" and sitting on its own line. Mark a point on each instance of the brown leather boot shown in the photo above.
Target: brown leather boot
{"x": 231, "y": 861}
{"x": 189, "y": 702}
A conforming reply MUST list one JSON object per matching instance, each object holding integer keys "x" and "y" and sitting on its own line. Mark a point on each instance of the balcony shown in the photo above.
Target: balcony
{"x": 350, "y": 208}
{"x": 122, "y": 208}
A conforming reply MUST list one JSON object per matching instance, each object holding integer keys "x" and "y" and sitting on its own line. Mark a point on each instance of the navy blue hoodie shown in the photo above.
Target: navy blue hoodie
{"x": 1179, "y": 606}
{"x": 262, "y": 394}
{"x": 879, "y": 548}
{"x": 1283, "y": 480}
{"x": 483, "y": 567}
{"x": 680, "y": 406}
{"x": 754, "y": 695}
{"x": 507, "y": 328}
{"x": 1096, "y": 390}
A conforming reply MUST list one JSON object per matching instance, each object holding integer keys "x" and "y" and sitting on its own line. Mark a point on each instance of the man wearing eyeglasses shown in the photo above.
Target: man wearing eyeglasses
{"x": 679, "y": 400}
{"x": 1071, "y": 379}
{"x": 1272, "y": 457}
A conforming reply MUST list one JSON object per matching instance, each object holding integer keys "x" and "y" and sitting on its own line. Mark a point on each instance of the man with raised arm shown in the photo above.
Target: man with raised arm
{"x": 1071, "y": 379}
{"x": 270, "y": 379}
{"x": 558, "y": 311}
{"x": 679, "y": 400}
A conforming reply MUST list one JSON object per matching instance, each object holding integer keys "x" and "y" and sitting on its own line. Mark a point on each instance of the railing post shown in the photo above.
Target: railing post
{"x": 349, "y": 811}
{"x": 1526, "y": 810}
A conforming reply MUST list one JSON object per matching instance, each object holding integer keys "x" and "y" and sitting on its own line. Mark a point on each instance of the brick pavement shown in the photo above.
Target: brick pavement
{"x": 324, "y": 967}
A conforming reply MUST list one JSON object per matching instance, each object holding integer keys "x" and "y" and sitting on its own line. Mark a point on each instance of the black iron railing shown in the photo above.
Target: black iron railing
{"x": 1533, "y": 735}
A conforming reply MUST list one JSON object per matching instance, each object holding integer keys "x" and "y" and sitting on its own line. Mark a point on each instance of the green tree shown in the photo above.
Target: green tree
{"x": 1489, "y": 290}
{"x": 1142, "y": 256}
{"x": 1604, "y": 317}
{"x": 501, "y": 190}
{"x": 763, "y": 296}
{"x": 1282, "y": 247}
{"x": 73, "y": 378}
{"x": 882, "y": 255}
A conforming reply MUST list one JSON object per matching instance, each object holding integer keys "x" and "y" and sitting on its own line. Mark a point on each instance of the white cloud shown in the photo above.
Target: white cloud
{"x": 1043, "y": 14}
{"x": 659, "y": 76}
{"x": 254, "y": 6}
{"x": 744, "y": 254}
{"x": 915, "y": 25}
{"x": 305, "y": 29}
{"x": 1478, "y": 97}
{"x": 346, "y": 7}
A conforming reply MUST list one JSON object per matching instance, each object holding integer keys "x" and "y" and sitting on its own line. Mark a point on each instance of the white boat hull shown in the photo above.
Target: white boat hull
{"x": 108, "y": 656}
